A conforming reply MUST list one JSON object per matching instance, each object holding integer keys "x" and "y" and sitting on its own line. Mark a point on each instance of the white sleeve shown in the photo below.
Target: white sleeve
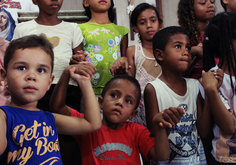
{"x": 77, "y": 37}
{"x": 18, "y": 31}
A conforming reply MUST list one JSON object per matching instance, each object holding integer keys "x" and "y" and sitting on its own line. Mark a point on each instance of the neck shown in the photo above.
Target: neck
{"x": 45, "y": 19}
{"x": 111, "y": 125}
{"x": 201, "y": 26}
{"x": 99, "y": 18}
{"x": 171, "y": 77}
{"x": 27, "y": 106}
{"x": 147, "y": 45}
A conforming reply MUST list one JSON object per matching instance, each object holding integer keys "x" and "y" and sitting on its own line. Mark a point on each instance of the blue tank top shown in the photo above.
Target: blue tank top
{"x": 31, "y": 138}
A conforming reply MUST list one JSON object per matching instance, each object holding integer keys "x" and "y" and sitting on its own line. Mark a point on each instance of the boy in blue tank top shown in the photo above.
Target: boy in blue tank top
{"x": 28, "y": 135}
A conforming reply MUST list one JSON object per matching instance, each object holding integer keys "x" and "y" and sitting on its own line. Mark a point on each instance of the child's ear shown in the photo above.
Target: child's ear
{"x": 85, "y": 2}
{"x": 225, "y": 2}
{"x": 158, "y": 54}
{"x": 35, "y": 2}
{"x": 100, "y": 101}
{"x": 50, "y": 81}
{"x": 3, "y": 81}
{"x": 135, "y": 29}
{"x": 134, "y": 113}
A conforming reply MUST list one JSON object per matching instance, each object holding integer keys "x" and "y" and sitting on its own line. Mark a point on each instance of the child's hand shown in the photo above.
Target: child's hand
{"x": 79, "y": 57}
{"x": 209, "y": 81}
{"x": 197, "y": 51}
{"x": 83, "y": 70}
{"x": 120, "y": 66}
{"x": 168, "y": 117}
{"x": 219, "y": 75}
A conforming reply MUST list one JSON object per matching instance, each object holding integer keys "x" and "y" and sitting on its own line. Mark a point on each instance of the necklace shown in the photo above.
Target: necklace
{"x": 156, "y": 64}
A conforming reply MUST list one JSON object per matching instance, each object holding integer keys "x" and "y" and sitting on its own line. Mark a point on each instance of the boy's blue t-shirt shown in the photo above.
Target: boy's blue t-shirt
{"x": 31, "y": 138}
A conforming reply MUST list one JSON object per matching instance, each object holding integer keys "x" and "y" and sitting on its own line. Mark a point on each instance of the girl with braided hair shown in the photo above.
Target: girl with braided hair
{"x": 219, "y": 110}
{"x": 193, "y": 16}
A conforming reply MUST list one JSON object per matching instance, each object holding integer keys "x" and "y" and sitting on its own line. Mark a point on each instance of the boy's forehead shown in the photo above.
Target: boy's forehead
{"x": 124, "y": 83}
{"x": 30, "y": 53}
{"x": 179, "y": 37}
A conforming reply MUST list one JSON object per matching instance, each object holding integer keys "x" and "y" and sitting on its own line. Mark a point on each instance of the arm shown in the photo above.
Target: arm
{"x": 58, "y": 99}
{"x": 3, "y": 126}
{"x": 130, "y": 55}
{"x": 124, "y": 45}
{"x": 196, "y": 53}
{"x": 160, "y": 123}
{"x": 151, "y": 107}
{"x": 205, "y": 121}
{"x": 222, "y": 117}
{"x": 92, "y": 121}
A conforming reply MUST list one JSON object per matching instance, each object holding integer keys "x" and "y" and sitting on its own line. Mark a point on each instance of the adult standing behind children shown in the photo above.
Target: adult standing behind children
{"x": 171, "y": 47}
{"x": 67, "y": 40}
{"x": 28, "y": 135}
{"x": 194, "y": 16}
{"x": 104, "y": 41}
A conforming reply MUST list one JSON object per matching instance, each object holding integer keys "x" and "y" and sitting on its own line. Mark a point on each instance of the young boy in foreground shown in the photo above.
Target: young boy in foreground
{"x": 118, "y": 141}
{"x": 28, "y": 135}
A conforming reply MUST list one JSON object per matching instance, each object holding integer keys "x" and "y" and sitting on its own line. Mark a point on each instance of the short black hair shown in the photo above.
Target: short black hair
{"x": 30, "y": 41}
{"x": 162, "y": 37}
{"x": 111, "y": 12}
{"x": 123, "y": 77}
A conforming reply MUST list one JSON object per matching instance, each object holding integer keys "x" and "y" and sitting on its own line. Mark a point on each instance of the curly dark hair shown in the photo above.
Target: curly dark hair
{"x": 187, "y": 19}
{"x": 111, "y": 12}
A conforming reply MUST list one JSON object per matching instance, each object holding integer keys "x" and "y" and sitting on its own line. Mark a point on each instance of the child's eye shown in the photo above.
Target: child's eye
{"x": 188, "y": 48}
{"x": 213, "y": 1}
{"x": 177, "y": 46}
{"x": 202, "y": 2}
{"x": 114, "y": 95}
{"x": 153, "y": 20}
{"x": 21, "y": 68}
{"x": 40, "y": 70}
{"x": 128, "y": 101}
{"x": 141, "y": 23}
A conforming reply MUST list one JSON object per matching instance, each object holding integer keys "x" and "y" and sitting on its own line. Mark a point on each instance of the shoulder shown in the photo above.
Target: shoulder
{"x": 130, "y": 50}
{"x": 123, "y": 30}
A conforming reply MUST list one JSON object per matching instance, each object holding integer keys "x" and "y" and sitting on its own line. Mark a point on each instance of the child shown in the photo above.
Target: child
{"x": 228, "y": 5}
{"x": 67, "y": 40}
{"x": 104, "y": 41}
{"x": 118, "y": 141}
{"x": 28, "y": 135}
{"x": 146, "y": 22}
{"x": 171, "y": 47}
{"x": 193, "y": 17}
{"x": 218, "y": 113}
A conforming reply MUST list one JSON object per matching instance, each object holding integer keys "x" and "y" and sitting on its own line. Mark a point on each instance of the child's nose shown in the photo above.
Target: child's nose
{"x": 31, "y": 77}
{"x": 119, "y": 101}
{"x": 149, "y": 24}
